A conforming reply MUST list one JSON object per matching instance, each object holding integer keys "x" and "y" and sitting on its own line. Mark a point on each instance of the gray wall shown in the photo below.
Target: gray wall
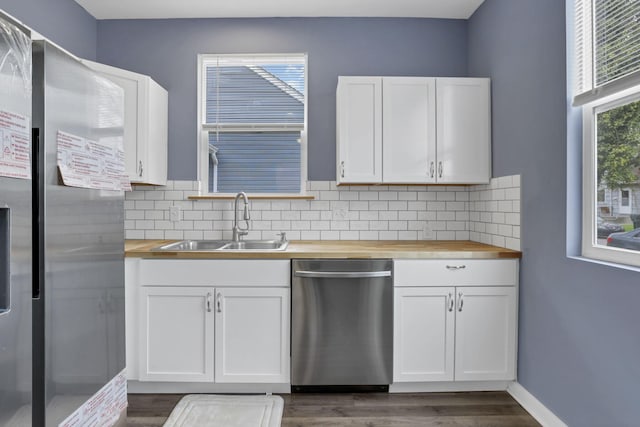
{"x": 579, "y": 344}
{"x": 167, "y": 50}
{"x": 62, "y": 21}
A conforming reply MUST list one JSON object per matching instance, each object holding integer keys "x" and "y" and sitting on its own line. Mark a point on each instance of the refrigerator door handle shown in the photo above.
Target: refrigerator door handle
{"x": 37, "y": 229}
{"x": 5, "y": 259}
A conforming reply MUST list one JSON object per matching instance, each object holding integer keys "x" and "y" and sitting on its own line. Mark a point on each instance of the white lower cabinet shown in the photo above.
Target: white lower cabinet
{"x": 423, "y": 336}
{"x": 176, "y": 331}
{"x": 485, "y": 333}
{"x": 252, "y": 335}
{"x": 455, "y": 333}
{"x": 194, "y": 333}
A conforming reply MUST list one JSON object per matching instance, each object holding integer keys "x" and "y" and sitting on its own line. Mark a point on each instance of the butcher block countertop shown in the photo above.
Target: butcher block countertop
{"x": 407, "y": 249}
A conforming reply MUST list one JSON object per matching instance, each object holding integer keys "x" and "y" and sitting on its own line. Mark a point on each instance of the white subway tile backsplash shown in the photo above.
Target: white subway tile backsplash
{"x": 329, "y": 195}
{"x": 387, "y": 195}
{"x": 329, "y": 235}
{"x": 428, "y": 196}
{"x": 408, "y": 215}
{"x": 407, "y": 235}
{"x": 436, "y": 206}
{"x": 369, "y": 235}
{"x": 132, "y": 214}
{"x": 319, "y": 185}
{"x": 349, "y": 235}
{"x": 379, "y": 225}
{"x": 174, "y": 234}
{"x": 368, "y": 195}
{"x": 388, "y": 215}
{"x": 487, "y": 213}
{"x": 309, "y": 235}
{"x": 494, "y": 214}
{"x": 379, "y": 206}
{"x": 359, "y": 205}
{"x": 408, "y": 195}
{"x": 388, "y": 235}
{"x": 446, "y": 235}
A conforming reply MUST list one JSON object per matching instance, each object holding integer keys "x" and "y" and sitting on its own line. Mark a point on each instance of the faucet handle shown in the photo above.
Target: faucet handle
{"x": 283, "y": 236}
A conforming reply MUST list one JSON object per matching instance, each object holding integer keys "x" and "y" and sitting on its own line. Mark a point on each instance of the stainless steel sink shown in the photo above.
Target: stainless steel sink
{"x": 225, "y": 245}
{"x": 193, "y": 245}
{"x": 256, "y": 245}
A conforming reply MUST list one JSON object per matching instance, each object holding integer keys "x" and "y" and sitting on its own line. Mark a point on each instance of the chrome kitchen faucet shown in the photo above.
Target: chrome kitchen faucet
{"x": 238, "y": 232}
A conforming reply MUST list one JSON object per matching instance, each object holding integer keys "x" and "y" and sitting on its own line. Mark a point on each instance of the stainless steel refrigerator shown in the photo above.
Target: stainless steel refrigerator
{"x": 61, "y": 248}
{"x": 15, "y": 227}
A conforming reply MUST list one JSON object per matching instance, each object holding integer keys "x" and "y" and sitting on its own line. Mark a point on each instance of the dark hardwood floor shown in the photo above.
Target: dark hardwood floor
{"x": 477, "y": 409}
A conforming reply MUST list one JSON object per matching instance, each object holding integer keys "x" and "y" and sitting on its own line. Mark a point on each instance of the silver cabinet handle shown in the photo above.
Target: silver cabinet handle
{"x": 432, "y": 169}
{"x": 219, "y": 302}
{"x": 342, "y": 169}
{"x": 209, "y": 302}
{"x": 342, "y": 274}
{"x": 456, "y": 267}
{"x": 141, "y": 169}
{"x": 440, "y": 169}
{"x": 460, "y": 301}
{"x": 450, "y": 302}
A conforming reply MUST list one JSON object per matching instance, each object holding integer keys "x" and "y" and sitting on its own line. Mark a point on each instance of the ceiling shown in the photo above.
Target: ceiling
{"x": 158, "y": 9}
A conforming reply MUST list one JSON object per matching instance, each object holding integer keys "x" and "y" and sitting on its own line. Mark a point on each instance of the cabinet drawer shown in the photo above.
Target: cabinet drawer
{"x": 227, "y": 272}
{"x": 455, "y": 272}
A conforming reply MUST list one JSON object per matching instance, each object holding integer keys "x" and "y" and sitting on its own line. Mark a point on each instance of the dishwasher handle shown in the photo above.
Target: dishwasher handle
{"x": 342, "y": 274}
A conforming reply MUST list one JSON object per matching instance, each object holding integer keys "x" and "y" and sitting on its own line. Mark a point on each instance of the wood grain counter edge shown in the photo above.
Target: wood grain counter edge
{"x": 401, "y": 249}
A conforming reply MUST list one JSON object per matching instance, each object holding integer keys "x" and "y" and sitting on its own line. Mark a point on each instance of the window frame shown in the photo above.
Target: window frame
{"x": 203, "y": 129}
{"x": 590, "y": 247}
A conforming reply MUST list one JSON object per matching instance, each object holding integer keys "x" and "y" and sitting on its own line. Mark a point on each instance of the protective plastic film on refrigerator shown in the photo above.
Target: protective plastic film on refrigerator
{"x": 15, "y": 224}
{"x": 79, "y": 356}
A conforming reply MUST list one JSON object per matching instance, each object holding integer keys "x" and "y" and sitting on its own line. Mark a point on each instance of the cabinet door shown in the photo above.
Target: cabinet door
{"x": 145, "y": 127}
{"x": 154, "y": 151}
{"x": 464, "y": 134}
{"x": 485, "y": 333}
{"x": 176, "y": 332}
{"x": 133, "y": 91}
{"x": 409, "y": 130}
{"x": 359, "y": 130}
{"x": 252, "y": 335}
{"x": 423, "y": 334}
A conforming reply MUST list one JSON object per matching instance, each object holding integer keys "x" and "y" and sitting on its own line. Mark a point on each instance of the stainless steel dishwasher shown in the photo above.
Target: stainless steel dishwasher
{"x": 341, "y": 324}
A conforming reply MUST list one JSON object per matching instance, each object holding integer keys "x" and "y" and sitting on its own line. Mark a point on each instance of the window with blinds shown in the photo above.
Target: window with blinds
{"x": 253, "y": 114}
{"x": 607, "y": 36}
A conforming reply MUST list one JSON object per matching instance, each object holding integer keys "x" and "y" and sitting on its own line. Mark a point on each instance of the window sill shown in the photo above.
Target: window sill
{"x": 605, "y": 263}
{"x": 254, "y": 197}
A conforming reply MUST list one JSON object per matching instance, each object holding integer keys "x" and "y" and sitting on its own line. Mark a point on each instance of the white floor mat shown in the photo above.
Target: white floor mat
{"x": 199, "y": 410}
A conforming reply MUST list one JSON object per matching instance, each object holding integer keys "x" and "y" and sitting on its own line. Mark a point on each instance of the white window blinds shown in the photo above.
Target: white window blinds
{"x": 607, "y": 37}
{"x": 254, "y": 92}
{"x": 254, "y": 114}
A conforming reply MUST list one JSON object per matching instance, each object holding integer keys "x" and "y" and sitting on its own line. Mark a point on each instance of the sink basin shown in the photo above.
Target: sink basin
{"x": 193, "y": 245}
{"x": 224, "y": 245}
{"x": 256, "y": 245}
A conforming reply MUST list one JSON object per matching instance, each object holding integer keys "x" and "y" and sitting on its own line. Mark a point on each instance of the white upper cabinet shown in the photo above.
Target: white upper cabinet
{"x": 409, "y": 129}
{"x": 359, "y": 125}
{"x": 146, "y": 117}
{"x": 463, "y": 130}
{"x": 413, "y": 130}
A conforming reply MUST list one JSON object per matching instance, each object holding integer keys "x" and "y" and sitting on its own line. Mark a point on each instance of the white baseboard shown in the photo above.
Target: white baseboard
{"x": 452, "y": 386}
{"x": 135, "y": 387}
{"x": 534, "y": 407}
